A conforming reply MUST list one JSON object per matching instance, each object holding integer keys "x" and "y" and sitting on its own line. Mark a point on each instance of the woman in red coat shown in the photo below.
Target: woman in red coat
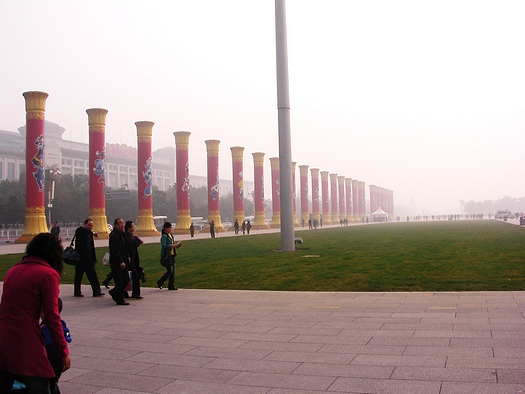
{"x": 30, "y": 287}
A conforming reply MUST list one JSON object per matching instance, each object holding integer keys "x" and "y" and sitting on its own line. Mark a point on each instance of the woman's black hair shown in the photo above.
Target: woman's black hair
{"x": 165, "y": 226}
{"x": 127, "y": 225}
{"x": 47, "y": 247}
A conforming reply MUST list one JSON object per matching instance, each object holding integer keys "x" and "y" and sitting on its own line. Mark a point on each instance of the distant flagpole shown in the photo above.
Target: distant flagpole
{"x": 285, "y": 144}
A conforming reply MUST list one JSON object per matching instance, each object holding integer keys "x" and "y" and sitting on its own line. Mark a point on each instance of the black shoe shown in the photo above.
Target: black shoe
{"x": 106, "y": 284}
{"x": 138, "y": 297}
{"x": 122, "y": 303}
{"x": 126, "y": 295}
{"x": 159, "y": 285}
{"x": 79, "y": 295}
{"x": 173, "y": 288}
{"x": 98, "y": 294}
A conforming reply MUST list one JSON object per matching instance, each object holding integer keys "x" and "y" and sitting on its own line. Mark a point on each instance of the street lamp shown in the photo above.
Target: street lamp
{"x": 54, "y": 175}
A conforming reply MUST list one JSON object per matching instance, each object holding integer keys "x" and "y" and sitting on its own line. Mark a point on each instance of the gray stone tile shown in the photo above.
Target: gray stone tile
{"x": 191, "y": 387}
{"x": 511, "y": 376}
{"x": 338, "y": 370}
{"x": 486, "y": 375}
{"x": 298, "y": 382}
{"x": 243, "y": 364}
{"x": 426, "y": 361}
{"x": 485, "y": 388}
{"x": 317, "y": 357}
{"x": 363, "y": 349}
{"x": 358, "y": 385}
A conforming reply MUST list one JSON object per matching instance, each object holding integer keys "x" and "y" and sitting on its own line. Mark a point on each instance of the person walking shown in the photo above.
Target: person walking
{"x": 248, "y": 227}
{"x": 30, "y": 287}
{"x": 167, "y": 256}
{"x": 192, "y": 230}
{"x": 132, "y": 248}
{"x": 243, "y": 226}
{"x": 85, "y": 246}
{"x": 118, "y": 261}
{"x": 236, "y": 226}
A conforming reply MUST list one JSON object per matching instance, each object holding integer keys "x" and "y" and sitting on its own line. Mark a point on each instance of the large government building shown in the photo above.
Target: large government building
{"x": 72, "y": 157}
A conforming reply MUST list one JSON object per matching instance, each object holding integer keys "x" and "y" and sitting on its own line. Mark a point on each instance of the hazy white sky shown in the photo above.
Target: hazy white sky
{"x": 425, "y": 98}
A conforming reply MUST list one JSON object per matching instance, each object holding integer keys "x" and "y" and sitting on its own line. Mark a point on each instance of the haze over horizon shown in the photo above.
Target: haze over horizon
{"x": 423, "y": 99}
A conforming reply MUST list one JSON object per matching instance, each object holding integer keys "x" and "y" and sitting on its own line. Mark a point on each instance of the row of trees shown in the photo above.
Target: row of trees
{"x": 71, "y": 202}
{"x": 490, "y": 207}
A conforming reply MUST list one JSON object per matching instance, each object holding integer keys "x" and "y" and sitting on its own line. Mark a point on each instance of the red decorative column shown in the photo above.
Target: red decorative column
{"x": 341, "y": 193}
{"x": 373, "y": 198}
{"x": 145, "y": 224}
{"x": 35, "y": 219}
{"x": 303, "y": 182}
{"x": 361, "y": 197}
{"x": 334, "y": 198}
{"x": 348, "y": 188}
{"x": 97, "y": 176}
{"x": 276, "y": 190}
{"x": 238, "y": 184}
{"x": 214, "y": 204}
{"x": 326, "y": 198}
{"x": 355, "y": 200}
{"x": 316, "y": 194}
{"x": 182, "y": 139}
{"x": 259, "y": 222}
{"x": 294, "y": 189}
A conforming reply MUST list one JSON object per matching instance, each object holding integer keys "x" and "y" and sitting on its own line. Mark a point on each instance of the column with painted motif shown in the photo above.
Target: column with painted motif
{"x": 238, "y": 183}
{"x": 259, "y": 222}
{"x": 355, "y": 200}
{"x": 276, "y": 190}
{"x": 316, "y": 193}
{"x": 294, "y": 189}
{"x": 362, "y": 203}
{"x": 303, "y": 184}
{"x": 145, "y": 225}
{"x": 326, "y": 198}
{"x": 97, "y": 170}
{"x": 214, "y": 204}
{"x": 334, "y": 198}
{"x": 182, "y": 139}
{"x": 35, "y": 219}
{"x": 348, "y": 195}
{"x": 341, "y": 193}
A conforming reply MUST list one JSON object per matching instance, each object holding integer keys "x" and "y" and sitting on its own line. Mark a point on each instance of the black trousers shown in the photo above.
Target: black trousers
{"x": 117, "y": 292}
{"x": 33, "y": 384}
{"x": 89, "y": 268}
{"x": 169, "y": 275}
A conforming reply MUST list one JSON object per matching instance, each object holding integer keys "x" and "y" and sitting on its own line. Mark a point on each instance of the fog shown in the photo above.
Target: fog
{"x": 424, "y": 99}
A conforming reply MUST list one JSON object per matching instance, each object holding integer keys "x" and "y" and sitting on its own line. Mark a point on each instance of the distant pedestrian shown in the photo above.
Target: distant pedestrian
{"x": 55, "y": 230}
{"x": 167, "y": 256}
{"x": 212, "y": 228}
{"x": 248, "y": 227}
{"x": 243, "y": 226}
{"x": 85, "y": 246}
{"x": 236, "y": 226}
{"x": 192, "y": 230}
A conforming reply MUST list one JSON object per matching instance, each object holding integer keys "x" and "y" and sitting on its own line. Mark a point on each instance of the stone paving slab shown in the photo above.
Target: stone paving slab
{"x": 208, "y": 341}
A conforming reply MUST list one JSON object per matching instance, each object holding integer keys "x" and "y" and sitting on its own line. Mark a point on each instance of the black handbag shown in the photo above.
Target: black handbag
{"x": 71, "y": 256}
{"x": 165, "y": 261}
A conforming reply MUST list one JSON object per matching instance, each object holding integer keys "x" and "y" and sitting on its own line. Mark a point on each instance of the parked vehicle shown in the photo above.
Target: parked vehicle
{"x": 505, "y": 214}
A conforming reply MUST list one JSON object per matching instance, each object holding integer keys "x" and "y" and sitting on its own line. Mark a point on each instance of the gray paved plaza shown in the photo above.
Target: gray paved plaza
{"x": 207, "y": 341}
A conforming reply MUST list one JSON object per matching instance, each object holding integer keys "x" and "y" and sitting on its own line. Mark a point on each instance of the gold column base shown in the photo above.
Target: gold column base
{"x": 326, "y": 220}
{"x": 100, "y": 225}
{"x": 260, "y": 227}
{"x": 34, "y": 224}
{"x": 146, "y": 226}
{"x": 183, "y": 223}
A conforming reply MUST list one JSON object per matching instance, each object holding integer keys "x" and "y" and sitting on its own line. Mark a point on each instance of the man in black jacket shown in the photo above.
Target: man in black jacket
{"x": 85, "y": 246}
{"x": 118, "y": 261}
{"x": 132, "y": 244}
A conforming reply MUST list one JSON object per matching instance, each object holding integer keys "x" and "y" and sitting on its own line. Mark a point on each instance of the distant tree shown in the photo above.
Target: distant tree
{"x": 199, "y": 201}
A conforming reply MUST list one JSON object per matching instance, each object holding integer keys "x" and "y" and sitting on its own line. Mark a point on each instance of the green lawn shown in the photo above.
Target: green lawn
{"x": 425, "y": 256}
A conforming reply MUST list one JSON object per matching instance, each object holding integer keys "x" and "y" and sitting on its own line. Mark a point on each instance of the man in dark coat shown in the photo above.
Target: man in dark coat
{"x": 118, "y": 261}
{"x": 85, "y": 246}
{"x": 132, "y": 244}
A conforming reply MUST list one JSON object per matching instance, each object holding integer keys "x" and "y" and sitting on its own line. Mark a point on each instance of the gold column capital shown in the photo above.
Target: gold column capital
{"x": 274, "y": 163}
{"x": 144, "y": 128}
{"x": 333, "y": 177}
{"x": 35, "y": 101}
{"x": 237, "y": 153}
{"x": 212, "y": 147}
{"x": 303, "y": 170}
{"x": 96, "y": 116}
{"x": 258, "y": 158}
{"x": 182, "y": 138}
{"x": 314, "y": 172}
